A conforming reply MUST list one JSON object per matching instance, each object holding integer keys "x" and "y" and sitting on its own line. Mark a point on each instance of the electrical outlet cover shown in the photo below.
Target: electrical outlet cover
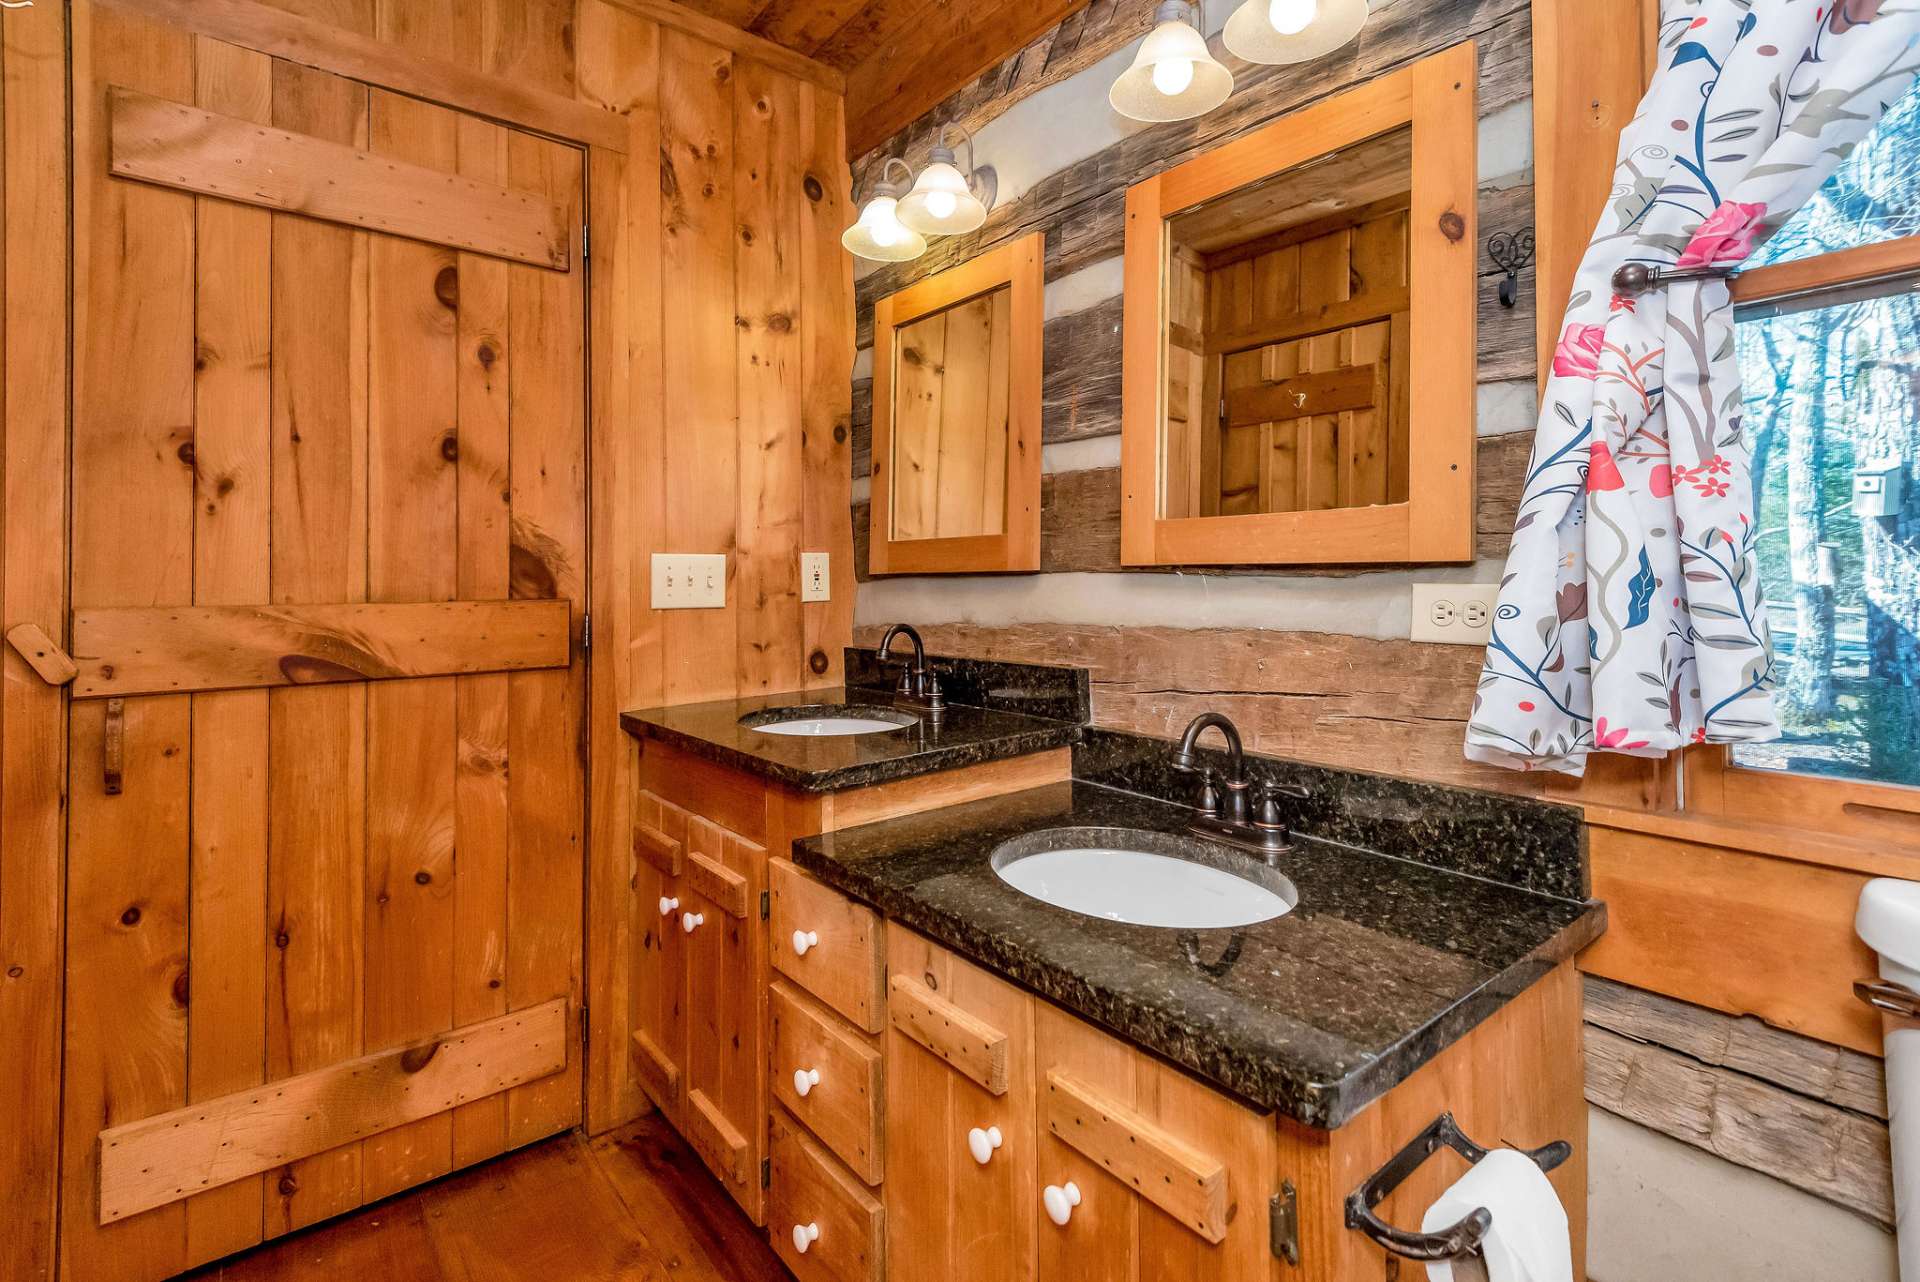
{"x": 816, "y": 577}
{"x": 1454, "y": 613}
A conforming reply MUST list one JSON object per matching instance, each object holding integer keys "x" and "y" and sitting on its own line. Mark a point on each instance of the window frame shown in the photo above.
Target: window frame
{"x": 1712, "y": 784}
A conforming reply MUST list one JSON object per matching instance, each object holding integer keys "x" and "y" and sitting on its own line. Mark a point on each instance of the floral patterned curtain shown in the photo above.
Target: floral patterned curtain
{"x": 1630, "y": 618}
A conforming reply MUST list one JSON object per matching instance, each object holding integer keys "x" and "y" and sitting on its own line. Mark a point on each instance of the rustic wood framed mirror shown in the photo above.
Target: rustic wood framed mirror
{"x": 1299, "y": 363}
{"x": 956, "y": 419}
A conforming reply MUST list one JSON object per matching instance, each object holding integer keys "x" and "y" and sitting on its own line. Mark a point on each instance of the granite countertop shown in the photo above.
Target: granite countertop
{"x": 966, "y": 736}
{"x": 1383, "y": 964}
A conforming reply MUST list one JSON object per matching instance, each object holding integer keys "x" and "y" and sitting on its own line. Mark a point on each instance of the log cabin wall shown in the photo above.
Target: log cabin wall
{"x": 709, "y": 404}
{"x": 1722, "y": 1145}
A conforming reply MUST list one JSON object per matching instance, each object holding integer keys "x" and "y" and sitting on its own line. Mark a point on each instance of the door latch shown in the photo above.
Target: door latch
{"x": 1283, "y": 1224}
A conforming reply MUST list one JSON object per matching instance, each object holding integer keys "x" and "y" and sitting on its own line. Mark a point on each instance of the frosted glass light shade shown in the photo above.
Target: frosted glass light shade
{"x": 1173, "y": 77}
{"x": 1250, "y": 33}
{"x": 941, "y": 204}
{"x": 881, "y": 236}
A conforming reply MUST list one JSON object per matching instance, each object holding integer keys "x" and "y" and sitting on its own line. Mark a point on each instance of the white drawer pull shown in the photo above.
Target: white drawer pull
{"x": 982, "y": 1143}
{"x": 804, "y": 1236}
{"x": 689, "y": 920}
{"x": 804, "y": 1080}
{"x": 803, "y": 940}
{"x": 1060, "y": 1201}
{"x": 667, "y": 905}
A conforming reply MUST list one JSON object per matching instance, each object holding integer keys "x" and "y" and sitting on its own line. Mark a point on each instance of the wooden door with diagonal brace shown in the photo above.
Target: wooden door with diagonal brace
{"x": 329, "y": 557}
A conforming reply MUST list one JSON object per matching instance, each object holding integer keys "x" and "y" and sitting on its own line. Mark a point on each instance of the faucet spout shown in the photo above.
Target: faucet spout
{"x": 1183, "y": 758}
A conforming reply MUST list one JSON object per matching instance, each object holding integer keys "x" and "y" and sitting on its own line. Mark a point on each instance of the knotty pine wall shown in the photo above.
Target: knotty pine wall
{"x": 718, "y": 375}
{"x": 1792, "y": 1179}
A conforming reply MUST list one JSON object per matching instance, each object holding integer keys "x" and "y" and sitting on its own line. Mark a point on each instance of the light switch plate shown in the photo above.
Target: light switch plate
{"x": 1454, "y": 613}
{"x": 816, "y": 580}
{"x": 689, "y": 581}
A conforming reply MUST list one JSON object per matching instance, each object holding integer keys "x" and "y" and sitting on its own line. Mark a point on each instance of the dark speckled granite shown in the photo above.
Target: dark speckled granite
{"x": 1535, "y": 845}
{"x": 1384, "y": 963}
{"x": 1035, "y": 689}
{"x": 966, "y": 736}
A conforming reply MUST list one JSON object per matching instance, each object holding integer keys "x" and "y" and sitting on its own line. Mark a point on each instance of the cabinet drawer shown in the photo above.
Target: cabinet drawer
{"x": 829, "y": 945}
{"x": 823, "y": 1224}
{"x": 841, "y": 1073}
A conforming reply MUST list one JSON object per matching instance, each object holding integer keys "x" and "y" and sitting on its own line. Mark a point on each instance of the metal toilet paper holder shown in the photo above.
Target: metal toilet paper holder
{"x": 1455, "y": 1242}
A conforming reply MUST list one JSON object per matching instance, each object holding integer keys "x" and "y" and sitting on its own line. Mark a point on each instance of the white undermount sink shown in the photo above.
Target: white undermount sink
{"x": 827, "y": 720}
{"x": 1144, "y": 878}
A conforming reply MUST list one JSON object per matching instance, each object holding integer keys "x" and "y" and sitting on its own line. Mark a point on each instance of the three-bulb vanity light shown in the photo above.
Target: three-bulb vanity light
{"x": 899, "y": 216}
{"x": 1175, "y": 76}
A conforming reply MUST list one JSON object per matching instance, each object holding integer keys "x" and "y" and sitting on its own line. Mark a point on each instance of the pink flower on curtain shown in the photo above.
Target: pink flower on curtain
{"x": 1578, "y": 354}
{"x": 1615, "y": 738}
{"x": 1602, "y": 472}
{"x": 1727, "y": 236}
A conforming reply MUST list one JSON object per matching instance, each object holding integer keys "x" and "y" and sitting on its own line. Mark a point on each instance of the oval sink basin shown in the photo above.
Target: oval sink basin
{"x": 1144, "y": 878}
{"x": 827, "y": 720}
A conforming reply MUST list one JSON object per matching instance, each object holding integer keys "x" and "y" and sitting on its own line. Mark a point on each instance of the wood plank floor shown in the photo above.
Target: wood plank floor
{"x": 634, "y": 1203}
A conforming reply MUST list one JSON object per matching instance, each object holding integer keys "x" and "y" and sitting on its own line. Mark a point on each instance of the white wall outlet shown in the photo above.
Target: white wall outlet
{"x": 1456, "y": 613}
{"x": 688, "y": 581}
{"x": 816, "y": 580}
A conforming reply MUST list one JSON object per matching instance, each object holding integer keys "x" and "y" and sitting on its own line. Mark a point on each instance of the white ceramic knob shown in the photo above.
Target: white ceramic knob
{"x": 804, "y": 1236}
{"x": 667, "y": 905}
{"x": 1060, "y": 1201}
{"x": 689, "y": 920}
{"x": 803, "y": 940}
{"x": 982, "y": 1143}
{"x": 804, "y": 1080}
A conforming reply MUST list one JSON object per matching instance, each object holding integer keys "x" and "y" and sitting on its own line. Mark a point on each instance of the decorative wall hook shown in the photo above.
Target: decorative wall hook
{"x": 1510, "y": 251}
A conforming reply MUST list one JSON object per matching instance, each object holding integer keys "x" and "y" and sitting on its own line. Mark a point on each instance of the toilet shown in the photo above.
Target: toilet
{"x": 1889, "y": 922}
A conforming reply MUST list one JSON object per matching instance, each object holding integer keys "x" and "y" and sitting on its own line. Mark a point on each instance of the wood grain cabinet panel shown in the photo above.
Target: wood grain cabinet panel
{"x": 829, "y": 945}
{"x": 842, "y": 1076}
{"x": 823, "y": 1224}
{"x": 950, "y": 1215}
{"x": 658, "y": 988}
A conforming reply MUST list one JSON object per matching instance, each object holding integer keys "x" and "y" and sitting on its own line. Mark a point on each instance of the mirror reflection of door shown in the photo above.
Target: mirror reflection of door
{"x": 1288, "y": 340}
{"x": 950, "y": 420}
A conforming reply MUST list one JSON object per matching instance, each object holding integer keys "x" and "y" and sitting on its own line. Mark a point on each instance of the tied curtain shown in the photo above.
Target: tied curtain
{"x": 1630, "y": 618}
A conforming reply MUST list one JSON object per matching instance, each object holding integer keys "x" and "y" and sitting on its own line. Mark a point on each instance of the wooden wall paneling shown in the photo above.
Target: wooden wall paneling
{"x": 1734, "y": 931}
{"x": 548, "y": 561}
{"x": 212, "y": 153}
{"x": 128, "y": 886}
{"x": 232, "y": 445}
{"x": 413, "y": 555}
{"x": 767, "y": 342}
{"x": 826, "y": 360}
{"x": 701, "y": 407}
{"x": 317, "y": 737}
{"x": 688, "y": 20}
{"x": 34, "y": 361}
{"x": 483, "y": 379}
{"x": 619, "y": 71}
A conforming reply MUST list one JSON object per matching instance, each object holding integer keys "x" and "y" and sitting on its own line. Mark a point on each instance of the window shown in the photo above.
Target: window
{"x": 1828, "y": 338}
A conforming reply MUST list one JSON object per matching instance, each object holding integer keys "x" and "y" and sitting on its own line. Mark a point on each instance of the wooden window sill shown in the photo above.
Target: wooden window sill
{"x": 1873, "y": 857}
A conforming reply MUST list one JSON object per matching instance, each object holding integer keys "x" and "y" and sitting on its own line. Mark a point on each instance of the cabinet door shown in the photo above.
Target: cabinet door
{"x": 1172, "y": 1177}
{"x": 659, "y": 991}
{"x": 950, "y": 1215}
{"x": 726, "y": 1077}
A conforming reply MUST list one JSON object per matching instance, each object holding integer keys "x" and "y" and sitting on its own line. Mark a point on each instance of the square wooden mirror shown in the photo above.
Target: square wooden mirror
{"x": 1299, "y": 366}
{"x": 956, "y": 419}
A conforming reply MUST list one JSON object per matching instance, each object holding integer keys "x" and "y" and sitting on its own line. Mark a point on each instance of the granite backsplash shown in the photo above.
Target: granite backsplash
{"x": 1031, "y": 689}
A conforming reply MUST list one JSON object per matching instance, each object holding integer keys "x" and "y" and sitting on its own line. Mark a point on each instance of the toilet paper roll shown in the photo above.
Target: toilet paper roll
{"x": 1528, "y": 1241}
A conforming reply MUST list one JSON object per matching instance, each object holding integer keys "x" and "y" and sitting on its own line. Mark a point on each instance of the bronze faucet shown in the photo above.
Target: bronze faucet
{"x": 1247, "y": 814}
{"x": 918, "y": 684}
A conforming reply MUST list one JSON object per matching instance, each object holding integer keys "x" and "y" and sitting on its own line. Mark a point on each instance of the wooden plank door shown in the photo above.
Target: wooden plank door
{"x": 267, "y": 881}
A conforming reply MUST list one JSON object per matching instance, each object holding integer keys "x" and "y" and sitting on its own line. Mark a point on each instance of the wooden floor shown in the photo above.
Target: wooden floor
{"x": 634, "y": 1203}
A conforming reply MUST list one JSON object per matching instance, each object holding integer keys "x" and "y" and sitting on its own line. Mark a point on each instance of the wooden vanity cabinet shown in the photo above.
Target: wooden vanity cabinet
{"x": 714, "y": 918}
